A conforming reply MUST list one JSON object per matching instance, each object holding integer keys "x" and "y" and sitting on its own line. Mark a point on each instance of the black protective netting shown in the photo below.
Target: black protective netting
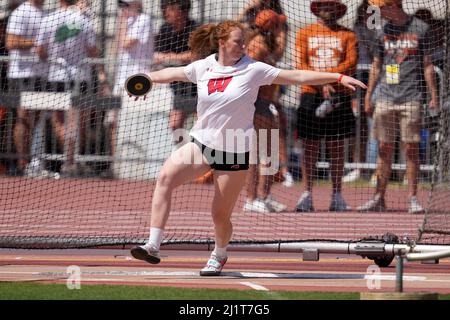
{"x": 79, "y": 159}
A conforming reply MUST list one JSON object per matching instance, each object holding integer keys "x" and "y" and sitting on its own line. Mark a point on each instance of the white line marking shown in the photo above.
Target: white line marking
{"x": 316, "y": 276}
{"x": 258, "y": 275}
{"x": 254, "y": 286}
{"x": 100, "y": 279}
{"x": 18, "y": 272}
{"x": 393, "y": 278}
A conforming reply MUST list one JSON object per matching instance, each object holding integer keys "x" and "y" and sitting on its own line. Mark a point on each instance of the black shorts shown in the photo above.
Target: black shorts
{"x": 338, "y": 124}
{"x": 224, "y": 161}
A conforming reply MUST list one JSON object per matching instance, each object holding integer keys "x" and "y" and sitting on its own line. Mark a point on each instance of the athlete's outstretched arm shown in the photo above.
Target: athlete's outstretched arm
{"x": 168, "y": 75}
{"x": 316, "y": 78}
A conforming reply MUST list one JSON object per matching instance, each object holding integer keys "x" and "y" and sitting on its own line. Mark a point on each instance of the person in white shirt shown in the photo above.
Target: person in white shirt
{"x": 228, "y": 82}
{"x": 135, "y": 43}
{"x": 25, "y": 72}
{"x": 66, "y": 38}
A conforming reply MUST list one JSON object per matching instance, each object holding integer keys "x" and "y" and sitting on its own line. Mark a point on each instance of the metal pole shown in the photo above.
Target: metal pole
{"x": 399, "y": 274}
{"x": 357, "y": 141}
{"x": 103, "y": 35}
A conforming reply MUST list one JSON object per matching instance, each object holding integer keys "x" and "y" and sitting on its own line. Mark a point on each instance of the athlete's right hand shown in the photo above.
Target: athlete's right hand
{"x": 351, "y": 83}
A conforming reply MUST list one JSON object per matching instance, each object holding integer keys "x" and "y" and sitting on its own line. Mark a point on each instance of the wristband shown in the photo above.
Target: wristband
{"x": 339, "y": 80}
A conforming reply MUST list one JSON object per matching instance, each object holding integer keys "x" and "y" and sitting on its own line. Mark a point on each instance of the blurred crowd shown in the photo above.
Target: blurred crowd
{"x": 47, "y": 53}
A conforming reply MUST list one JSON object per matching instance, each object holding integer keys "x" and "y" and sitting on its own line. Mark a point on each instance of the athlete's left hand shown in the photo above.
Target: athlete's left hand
{"x": 352, "y": 83}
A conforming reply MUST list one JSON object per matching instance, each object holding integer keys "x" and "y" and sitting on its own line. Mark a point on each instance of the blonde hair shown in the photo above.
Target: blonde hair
{"x": 205, "y": 40}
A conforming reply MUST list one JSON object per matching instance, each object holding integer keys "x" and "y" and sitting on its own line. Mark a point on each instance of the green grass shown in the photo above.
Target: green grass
{"x": 37, "y": 291}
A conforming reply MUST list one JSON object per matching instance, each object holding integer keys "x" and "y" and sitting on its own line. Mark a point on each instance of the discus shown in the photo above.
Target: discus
{"x": 138, "y": 85}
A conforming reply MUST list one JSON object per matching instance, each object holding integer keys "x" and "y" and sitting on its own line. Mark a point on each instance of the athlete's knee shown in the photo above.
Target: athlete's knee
{"x": 165, "y": 181}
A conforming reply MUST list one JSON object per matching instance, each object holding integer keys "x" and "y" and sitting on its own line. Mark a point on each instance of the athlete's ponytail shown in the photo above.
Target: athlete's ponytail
{"x": 200, "y": 41}
{"x": 205, "y": 39}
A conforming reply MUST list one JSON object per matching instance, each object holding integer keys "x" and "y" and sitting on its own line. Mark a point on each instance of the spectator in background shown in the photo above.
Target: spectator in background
{"x": 253, "y": 7}
{"x": 135, "y": 43}
{"x": 12, "y": 5}
{"x": 134, "y": 39}
{"x": 437, "y": 34}
{"x": 3, "y": 53}
{"x": 366, "y": 38}
{"x": 436, "y": 42}
{"x": 65, "y": 39}
{"x": 24, "y": 74}
{"x": 402, "y": 50}
{"x": 171, "y": 47}
{"x": 262, "y": 47}
{"x": 3, "y": 88}
{"x": 99, "y": 69}
{"x": 93, "y": 135}
{"x": 438, "y": 58}
{"x": 325, "y": 112}
{"x": 248, "y": 18}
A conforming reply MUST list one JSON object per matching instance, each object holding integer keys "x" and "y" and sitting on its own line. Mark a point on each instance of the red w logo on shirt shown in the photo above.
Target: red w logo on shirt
{"x": 218, "y": 85}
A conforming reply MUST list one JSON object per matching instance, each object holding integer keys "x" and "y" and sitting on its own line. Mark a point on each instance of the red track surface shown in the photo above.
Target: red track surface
{"x": 121, "y": 209}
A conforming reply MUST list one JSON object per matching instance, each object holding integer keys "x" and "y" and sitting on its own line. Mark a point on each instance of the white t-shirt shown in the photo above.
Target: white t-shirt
{"x": 138, "y": 58}
{"x": 67, "y": 34}
{"x": 25, "y": 21}
{"x": 226, "y": 98}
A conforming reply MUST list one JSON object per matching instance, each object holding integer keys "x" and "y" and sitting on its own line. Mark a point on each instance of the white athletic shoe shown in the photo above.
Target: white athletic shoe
{"x": 338, "y": 203}
{"x": 146, "y": 253}
{"x": 288, "y": 180}
{"x": 352, "y": 176}
{"x": 414, "y": 206}
{"x": 375, "y": 204}
{"x": 214, "y": 266}
{"x": 274, "y": 205}
{"x": 256, "y": 205}
{"x": 305, "y": 203}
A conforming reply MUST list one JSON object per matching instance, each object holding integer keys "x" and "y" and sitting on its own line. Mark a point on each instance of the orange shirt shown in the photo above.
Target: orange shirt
{"x": 320, "y": 48}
